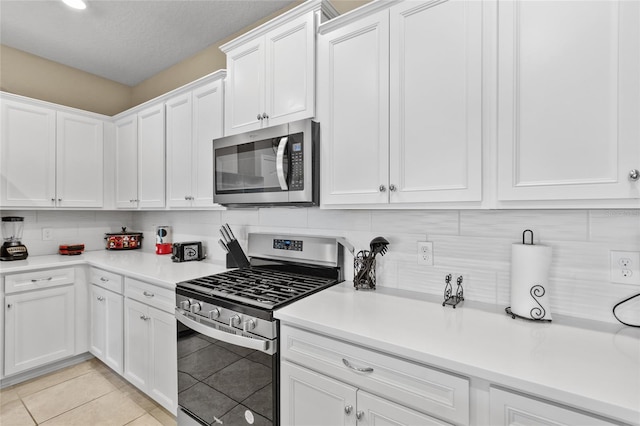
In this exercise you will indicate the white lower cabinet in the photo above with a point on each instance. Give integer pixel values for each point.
(107, 317)
(327, 381)
(315, 399)
(39, 323)
(514, 409)
(150, 355)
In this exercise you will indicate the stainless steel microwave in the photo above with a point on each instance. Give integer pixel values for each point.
(268, 167)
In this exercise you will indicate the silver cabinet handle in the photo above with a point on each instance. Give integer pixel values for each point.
(382, 188)
(100, 298)
(359, 414)
(146, 293)
(361, 370)
(634, 175)
(392, 188)
(42, 279)
(103, 279)
(144, 317)
(348, 409)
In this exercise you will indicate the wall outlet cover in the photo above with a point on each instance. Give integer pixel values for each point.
(625, 267)
(425, 253)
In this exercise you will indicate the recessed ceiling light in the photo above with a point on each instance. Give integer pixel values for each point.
(76, 4)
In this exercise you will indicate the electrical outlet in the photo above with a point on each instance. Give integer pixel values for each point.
(47, 234)
(625, 267)
(425, 253)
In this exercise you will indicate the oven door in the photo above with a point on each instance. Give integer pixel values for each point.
(224, 378)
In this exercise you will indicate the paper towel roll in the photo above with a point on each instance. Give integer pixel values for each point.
(530, 281)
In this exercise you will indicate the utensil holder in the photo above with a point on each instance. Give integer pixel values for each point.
(368, 280)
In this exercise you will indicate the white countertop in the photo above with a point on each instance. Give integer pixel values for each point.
(598, 371)
(156, 269)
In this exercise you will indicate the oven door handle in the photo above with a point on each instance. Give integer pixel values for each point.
(282, 179)
(234, 339)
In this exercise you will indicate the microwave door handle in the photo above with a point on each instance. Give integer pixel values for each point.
(282, 179)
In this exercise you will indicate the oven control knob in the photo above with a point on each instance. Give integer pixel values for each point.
(185, 305)
(196, 307)
(248, 325)
(214, 313)
(235, 320)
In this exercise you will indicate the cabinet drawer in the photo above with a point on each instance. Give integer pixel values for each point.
(508, 408)
(425, 389)
(38, 280)
(106, 279)
(158, 297)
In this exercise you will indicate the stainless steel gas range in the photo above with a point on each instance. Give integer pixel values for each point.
(228, 348)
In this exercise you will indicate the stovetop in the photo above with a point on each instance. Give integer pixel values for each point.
(259, 287)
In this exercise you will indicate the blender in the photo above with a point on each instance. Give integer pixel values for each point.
(12, 249)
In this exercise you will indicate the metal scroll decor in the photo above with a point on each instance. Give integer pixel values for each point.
(449, 297)
(537, 313)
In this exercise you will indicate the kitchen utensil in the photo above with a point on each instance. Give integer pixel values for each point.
(224, 246)
(12, 248)
(123, 240)
(184, 252)
(235, 251)
(363, 277)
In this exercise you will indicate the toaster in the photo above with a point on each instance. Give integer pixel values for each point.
(184, 252)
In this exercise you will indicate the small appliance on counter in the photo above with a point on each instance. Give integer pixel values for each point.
(163, 240)
(70, 249)
(12, 248)
(123, 240)
(184, 252)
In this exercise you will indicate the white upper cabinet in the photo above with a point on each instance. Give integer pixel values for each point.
(126, 164)
(271, 69)
(400, 105)
(79, 159)
(194, 119)
(50, 158)
(569, 100)
(28, 155)
(151, 155)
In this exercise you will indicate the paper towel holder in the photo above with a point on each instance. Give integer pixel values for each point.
(537, 291)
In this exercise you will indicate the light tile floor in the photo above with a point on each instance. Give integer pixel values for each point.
(89, 393)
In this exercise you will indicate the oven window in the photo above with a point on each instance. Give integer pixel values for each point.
(221, 382)
(248, 168)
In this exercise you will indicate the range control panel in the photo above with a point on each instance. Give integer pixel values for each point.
(292, 245)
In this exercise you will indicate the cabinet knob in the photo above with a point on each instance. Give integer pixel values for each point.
(348, 409)
(9, 305)
(53, 200)
(59, 199)
(392, 188)
(264, 116)
(359, 414)
(146, 293)
(382, 188)
(100, 298)
(634, 175)
(144, 317)
(259, 117)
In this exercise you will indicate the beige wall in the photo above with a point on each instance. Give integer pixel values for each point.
(28, 75)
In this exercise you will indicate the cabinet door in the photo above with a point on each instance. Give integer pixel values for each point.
(436, 103)
(28, 157)
(244, 97)
(136, 343)
(208, 113)
(127, 162)
(163, 361)
(179, 151)
(39, 328)
(107, 327)
(375, 411)
(151, 172)
(309, 398)
(290, 65)
(353, 108)
(79, 161)
(510, 409)
(569, 76)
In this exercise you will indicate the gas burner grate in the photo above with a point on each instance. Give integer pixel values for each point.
(259, 287)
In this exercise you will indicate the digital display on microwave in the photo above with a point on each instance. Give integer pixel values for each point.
(296, 147)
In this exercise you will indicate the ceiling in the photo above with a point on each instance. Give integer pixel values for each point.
(125, 41)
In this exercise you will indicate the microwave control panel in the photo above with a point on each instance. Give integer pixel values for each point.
(296, 169)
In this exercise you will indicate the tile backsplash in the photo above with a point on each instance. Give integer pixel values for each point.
(473, 243)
